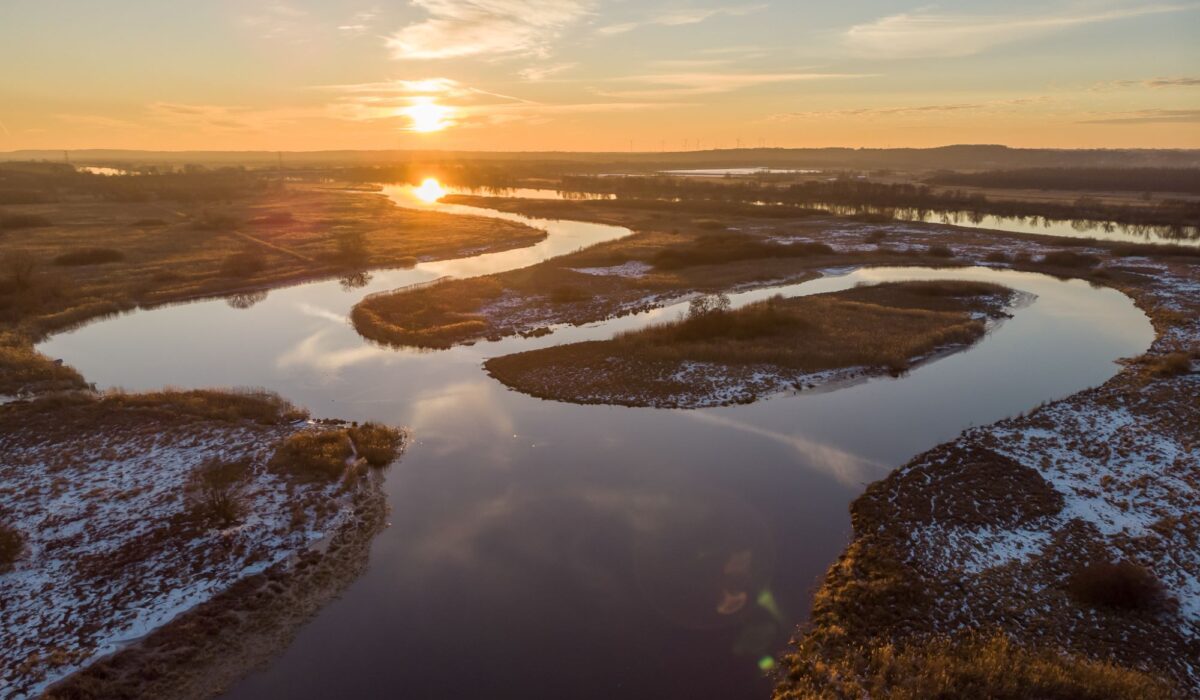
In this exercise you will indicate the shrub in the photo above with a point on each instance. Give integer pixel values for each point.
(215, 490)
(14, 221)
(1123, 586)
(940, 251)
(352, 248)
(11, 544)
(1172, 365)
(1068, 258)
(89, 256)
(378, 444)
(313, 455)
(18, 267)
(244, 264)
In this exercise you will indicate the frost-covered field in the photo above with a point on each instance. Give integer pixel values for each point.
(1115, 477)
(113, 547)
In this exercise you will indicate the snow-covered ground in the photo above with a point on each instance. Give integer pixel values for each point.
(112, 550)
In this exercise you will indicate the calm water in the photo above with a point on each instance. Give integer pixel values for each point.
(540, 549)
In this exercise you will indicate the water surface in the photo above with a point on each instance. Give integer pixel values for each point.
(541, 549)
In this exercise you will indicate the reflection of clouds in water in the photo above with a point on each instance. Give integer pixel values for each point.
(438, 418)
(848, 468)
(308, 354)
(695, 556)
(317, 312)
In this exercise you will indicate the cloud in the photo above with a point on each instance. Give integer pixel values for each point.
(934, 109)
(688, 84)
(360, 22)
(925, 34)
(467, 106)
(678, 18)
(278, 19)
(538, 73)
(1150, 116)
(1155, 83)
(458, 28)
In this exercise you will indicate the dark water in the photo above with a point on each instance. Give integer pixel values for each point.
(539, 549)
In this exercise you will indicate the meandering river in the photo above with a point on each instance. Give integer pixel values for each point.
(541, 549)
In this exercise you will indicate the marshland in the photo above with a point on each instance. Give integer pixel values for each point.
(638, 423)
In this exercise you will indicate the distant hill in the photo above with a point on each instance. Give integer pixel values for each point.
(963, 157)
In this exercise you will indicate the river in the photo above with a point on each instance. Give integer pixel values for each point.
(542, 549)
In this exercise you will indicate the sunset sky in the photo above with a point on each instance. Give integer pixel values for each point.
(596, 74)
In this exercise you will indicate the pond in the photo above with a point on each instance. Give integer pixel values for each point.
(542, 549)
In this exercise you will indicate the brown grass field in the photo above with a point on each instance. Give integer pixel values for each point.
(168, 253)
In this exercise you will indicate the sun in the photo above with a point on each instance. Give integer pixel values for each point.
(428, 116)
(430, 191)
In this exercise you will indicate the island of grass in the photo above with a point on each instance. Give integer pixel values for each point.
(717, 356)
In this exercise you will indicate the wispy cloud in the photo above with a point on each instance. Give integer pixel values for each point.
(689, 84)
(1149, 116)
(360, 22)
(537, 73)
(1155, 83)
(681, 17)
(930, 34)
(458, 28)
(277, 19)
(928, 109)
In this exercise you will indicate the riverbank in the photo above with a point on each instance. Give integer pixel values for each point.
(945, 546)
(717, 357)
(132, 509)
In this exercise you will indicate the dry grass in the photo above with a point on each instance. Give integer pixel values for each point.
(313, 455)
(229, 405)
(89, 256)
(884, 327)
(436, 316)
(24, 369)
(972, 666)
(379, 444)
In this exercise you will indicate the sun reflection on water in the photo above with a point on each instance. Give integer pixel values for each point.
(429, 191)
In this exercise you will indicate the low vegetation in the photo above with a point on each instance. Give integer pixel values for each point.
(314, 454)
(877, 328)
(328, 453)
(972, 666)
(89, 256)
(11, 545)
(1119, 585)
(214, 490)
(378, 444)
(16, 221)
(725, 248)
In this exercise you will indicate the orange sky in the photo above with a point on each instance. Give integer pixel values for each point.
(596, 74)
